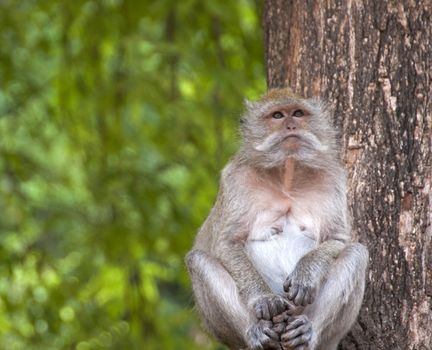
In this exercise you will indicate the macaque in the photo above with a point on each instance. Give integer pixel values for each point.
(274, 265)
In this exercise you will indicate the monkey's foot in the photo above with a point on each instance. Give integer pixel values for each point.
(298, 334)
(269, 306)
(262, 336)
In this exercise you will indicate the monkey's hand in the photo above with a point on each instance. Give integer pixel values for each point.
(311, 270)
(301, 286)
(268, 306)
(261, 336)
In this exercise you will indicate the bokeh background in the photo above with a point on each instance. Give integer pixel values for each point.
(116, 117)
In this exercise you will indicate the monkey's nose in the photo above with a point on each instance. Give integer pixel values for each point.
(290, 126)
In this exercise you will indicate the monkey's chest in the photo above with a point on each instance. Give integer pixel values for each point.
(275, 251)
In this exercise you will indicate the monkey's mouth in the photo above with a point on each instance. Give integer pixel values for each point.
(291, 141)
(291, 136)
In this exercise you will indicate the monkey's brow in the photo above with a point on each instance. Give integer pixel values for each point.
(285, 106)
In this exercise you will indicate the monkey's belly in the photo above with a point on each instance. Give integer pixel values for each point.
(275, 257)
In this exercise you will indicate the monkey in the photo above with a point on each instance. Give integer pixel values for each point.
(274, 265)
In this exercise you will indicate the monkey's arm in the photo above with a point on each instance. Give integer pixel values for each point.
(233, 257)
(255, 293)
(312, 269)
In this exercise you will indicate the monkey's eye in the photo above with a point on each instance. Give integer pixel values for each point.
(277, 115)
(298, 113)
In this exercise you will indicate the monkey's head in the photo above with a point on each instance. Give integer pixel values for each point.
(282, 125)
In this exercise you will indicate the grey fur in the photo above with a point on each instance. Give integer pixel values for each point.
(263, 237)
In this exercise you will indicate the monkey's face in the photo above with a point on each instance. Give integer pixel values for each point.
(273, 131)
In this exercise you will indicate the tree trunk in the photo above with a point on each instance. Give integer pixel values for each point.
(371, 60)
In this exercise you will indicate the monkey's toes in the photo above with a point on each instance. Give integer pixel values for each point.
(282, 317)
(279, 328)
(268, 306)
(262, 336)
(261, 311)
(297, 334)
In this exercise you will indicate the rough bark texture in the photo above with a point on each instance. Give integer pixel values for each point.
(371, 60)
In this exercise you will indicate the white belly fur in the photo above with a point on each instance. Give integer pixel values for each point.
(275, 256)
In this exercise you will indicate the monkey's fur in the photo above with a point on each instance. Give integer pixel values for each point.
(273, 266)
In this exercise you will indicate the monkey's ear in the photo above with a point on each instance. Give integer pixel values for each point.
(250, 105)
(320, 106)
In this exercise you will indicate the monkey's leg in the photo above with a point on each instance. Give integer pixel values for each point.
(217, 299)
(336, 305)
(220, 306)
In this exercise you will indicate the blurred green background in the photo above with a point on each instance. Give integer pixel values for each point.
(116, 117)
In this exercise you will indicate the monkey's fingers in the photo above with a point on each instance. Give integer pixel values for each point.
(262, 310)
(287, 284)
(294, 310)
(300, 297)
(292, 291)
(311, 297)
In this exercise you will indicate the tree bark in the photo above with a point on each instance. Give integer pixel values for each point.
(371, 60)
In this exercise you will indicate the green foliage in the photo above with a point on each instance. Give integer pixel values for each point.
(115, 118)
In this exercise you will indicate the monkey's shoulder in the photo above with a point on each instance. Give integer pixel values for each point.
(237, 173)
(234, 169)
(235, 178)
